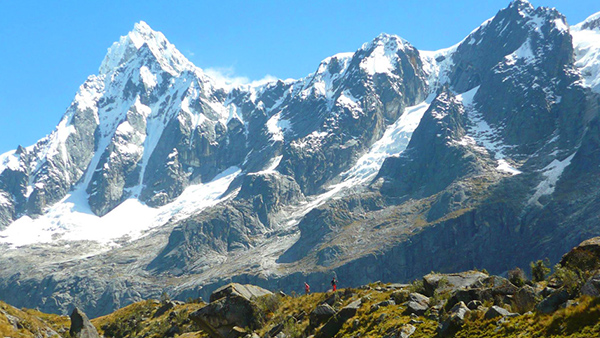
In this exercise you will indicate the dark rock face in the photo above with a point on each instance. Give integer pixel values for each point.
(220, 229)
(118, 164)
(349, 129)
(268, 192)
(435, 156)
(81, 327)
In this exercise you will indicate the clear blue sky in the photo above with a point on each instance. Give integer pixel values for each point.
(48, 48)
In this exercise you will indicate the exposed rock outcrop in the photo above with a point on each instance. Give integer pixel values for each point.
(231, 307)
(81, 327)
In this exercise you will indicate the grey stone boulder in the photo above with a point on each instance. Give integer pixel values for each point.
(400, 296)
(474, 304)
(592, 286)
(406, 331)
(81, 327)
(321, 314)
(450, 282)
(585, 256)
(497, 285)
(553, 302)
(335, 323)
(163, 309)
(246, 291)
(417, 304)
(525, 299)
(496, 311)
(456, 319)
(485, 289)
(231, 306)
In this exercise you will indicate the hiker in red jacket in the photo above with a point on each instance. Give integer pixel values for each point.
(306, 288)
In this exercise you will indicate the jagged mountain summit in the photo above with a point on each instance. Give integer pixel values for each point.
(389, 160)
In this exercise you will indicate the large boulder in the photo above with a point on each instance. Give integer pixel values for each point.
(553, 302)
(321, 314)
(456, 319)
(485, 289)
(335, 323)
(496, 311)
(231, 306)
(246, 291)
(81, 327)
(406, 331)
(592, 286)
(497, 285)
(525, 299)
(417, 304)
(437, 282)
(585, 256)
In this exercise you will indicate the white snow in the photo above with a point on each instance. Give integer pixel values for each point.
(5, 199)
(393, 142)
(552, 173)
(438, 72)
(89, 93)
(561, 25)
(587, 53)
(147, 77)
(9, 160)
(72, 220)
(506, 167)
(311, 141)
(170, 59)
(272, 165)
(381, 60)
(348, 101)
(277, 127)
(321, 83)
(523, 53)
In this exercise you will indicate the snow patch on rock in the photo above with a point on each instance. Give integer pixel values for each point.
(72, 220)
(587, 52)
(552, 173)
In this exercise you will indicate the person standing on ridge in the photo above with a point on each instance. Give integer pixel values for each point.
(334, 284)
(306, 288)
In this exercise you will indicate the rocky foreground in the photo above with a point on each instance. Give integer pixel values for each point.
(564, 303)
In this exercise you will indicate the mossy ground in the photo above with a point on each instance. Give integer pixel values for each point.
(31, 323)
(136, 320)
(580, 321)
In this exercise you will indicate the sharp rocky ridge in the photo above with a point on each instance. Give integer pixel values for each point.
(387, 160)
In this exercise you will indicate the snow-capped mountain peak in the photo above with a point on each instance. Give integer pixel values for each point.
(170, 59)
(521, 6)
(590, 23)
(382, 53)
(586, 41)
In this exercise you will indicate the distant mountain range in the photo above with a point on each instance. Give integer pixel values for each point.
(383, 164)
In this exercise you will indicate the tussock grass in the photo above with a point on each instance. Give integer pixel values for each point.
(31, 323)
(136, 320)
